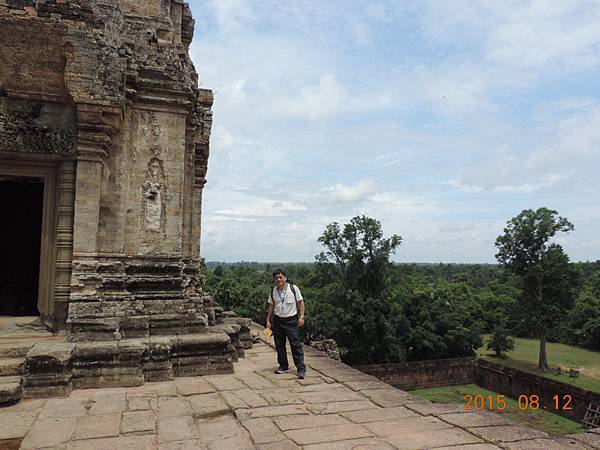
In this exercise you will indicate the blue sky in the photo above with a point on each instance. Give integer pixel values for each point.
(441, 119)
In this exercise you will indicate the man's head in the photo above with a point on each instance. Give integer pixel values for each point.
(280, 278)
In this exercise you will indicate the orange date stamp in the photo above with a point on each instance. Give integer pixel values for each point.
(524, 402)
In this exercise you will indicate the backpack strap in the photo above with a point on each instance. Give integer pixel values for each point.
(293, 292)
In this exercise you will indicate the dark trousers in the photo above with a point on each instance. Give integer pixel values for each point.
(288, 327)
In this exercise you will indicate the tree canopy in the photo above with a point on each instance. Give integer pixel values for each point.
(550, 282)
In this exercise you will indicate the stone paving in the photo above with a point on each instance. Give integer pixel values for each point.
(335, 407)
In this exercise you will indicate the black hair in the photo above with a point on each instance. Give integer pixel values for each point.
(279, 271)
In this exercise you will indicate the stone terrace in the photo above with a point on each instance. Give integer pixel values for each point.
(335, 407)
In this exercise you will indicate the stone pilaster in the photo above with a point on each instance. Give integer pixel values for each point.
(64, 241)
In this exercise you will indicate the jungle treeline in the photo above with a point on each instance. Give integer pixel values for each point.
(423, 311)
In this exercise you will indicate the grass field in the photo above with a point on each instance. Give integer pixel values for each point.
(535, 418)
(525, 357)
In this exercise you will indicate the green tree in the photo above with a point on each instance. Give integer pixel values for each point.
(359, 253)
(357, 261)
(500, 342)
(549, 282)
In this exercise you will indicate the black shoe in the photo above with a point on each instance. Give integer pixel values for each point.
(301, 374)
(281, 370)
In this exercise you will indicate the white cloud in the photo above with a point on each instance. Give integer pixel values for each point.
(343, 193)
(316, 101)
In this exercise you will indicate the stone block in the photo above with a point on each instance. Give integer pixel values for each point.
(138, 422)
(14, 425)
(339, 407)
(208, 405)
(90, 427)
(380, 414)
(432, 439)
(327, 434)
(508, 433)
(173, 407)
(287, 423)
(176, 429)
(49, 432)
(263, 431)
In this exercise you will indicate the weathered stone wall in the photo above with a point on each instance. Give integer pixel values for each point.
(514, 383)
(33, 57)
(424, 374)
(494, 377)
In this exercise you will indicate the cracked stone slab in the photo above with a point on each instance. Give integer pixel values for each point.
(111, 403)
(358, 444)
(546, 444)
(366, 385)
(208, 405)
(327, 434)
(263, 431)
(251, 398)
(49, 432)
(270, 411)
(432, 438)
(471, 447)
(329, 396)
(381, 414)
(298, 422)
(219, 428)
(346, 374)
(475, 419)
(97, 426)
(279, 396)
(388, 397)
(173, 406)
(338, 407)
(427, 408)
(191, 444)
(138, 422)
(405, 425)
(279, 445)
(255, 381)
(65, 407)
(14, 425)
(224, 382)
(591, 439)
(120, 443)
(176, 429)
(193, 385)
(236, 442)
(507, 433)
(319, 387)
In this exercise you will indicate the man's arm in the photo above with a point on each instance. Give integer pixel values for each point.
(270, 310)
(301, 318)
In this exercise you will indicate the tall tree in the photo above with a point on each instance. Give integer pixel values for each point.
(549, 281)
(359, 253)
(357, 261)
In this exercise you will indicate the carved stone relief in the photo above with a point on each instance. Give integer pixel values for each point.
(30, 127)
(152, 130)
(153, 191)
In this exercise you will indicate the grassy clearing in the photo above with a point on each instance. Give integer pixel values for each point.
(525, 357)
(535, 418)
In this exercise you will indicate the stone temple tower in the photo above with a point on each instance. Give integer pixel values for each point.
(104, 142)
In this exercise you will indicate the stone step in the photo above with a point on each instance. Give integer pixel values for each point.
(11, 391)
(14, 349)
(11, 366)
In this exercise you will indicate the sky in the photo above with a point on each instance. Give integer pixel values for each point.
(440, 119)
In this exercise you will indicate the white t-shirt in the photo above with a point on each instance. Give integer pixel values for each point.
(285, 303)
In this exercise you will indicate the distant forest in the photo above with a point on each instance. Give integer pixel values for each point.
(425, 311)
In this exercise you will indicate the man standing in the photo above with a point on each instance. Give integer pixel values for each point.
(284, 302)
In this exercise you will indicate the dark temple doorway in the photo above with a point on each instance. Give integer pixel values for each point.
(20, 238)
